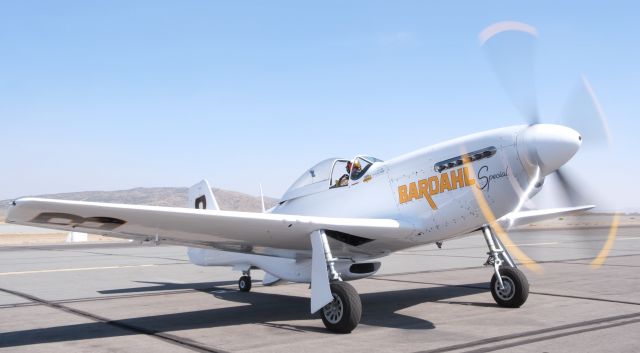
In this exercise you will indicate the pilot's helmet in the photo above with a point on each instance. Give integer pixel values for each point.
(357, 164)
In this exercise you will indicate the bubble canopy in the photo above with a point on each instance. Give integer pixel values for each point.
(318, 177)
(316, 174)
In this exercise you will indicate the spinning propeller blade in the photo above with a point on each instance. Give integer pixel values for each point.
(489, 216)
(571, 193)
(526, 193)
(510, 47)
(584, 113)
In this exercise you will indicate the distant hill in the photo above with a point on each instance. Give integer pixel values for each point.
(175, 197)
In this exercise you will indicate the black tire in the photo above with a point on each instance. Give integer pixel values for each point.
(343, 314)
(516, 289)
(244, 283)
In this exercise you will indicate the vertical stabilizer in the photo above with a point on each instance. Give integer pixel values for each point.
(262, 199)
(201, 196)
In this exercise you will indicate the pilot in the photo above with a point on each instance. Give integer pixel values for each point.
(344, 179)
(356, 170)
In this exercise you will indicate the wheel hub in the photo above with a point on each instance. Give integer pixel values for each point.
(333, 311)
(508, 290)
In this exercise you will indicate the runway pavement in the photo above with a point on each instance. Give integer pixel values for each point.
(129, 298)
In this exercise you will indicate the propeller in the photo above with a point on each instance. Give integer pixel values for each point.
(510, 47)
(526, 193)
(571, 193)
(488, 214)
(584, 112)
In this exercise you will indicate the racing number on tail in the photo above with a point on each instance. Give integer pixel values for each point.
(201, 203)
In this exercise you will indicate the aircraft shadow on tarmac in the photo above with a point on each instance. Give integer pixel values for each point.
(379, 309)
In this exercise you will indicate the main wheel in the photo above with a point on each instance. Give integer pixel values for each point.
(516, 288)
(244, 283)
(343, 314)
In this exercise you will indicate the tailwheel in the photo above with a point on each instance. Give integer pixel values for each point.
(514, 290)
(244, 283)
(343, 314)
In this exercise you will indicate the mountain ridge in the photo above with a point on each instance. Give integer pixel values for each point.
(228, 200)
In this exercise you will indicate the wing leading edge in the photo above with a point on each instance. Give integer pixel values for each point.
(226, 230)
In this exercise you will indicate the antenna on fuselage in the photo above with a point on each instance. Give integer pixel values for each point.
(262, 198)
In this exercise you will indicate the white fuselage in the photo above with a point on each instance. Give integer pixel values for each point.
(501, 177)
(435, 189)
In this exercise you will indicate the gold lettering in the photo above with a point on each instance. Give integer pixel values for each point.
(457, 179)
(413, 192)
(468, 181)
(434, 185)
(444, 182)
(424, 191)
(423, 187)
(402, 191)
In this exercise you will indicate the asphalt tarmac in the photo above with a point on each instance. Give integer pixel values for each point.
(131, 298)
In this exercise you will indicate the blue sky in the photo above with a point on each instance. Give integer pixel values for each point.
(104, 95)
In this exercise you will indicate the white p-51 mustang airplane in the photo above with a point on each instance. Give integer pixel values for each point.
(342, 215)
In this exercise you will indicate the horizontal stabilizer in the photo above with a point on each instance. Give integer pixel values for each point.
(271, 280)
(527, 217)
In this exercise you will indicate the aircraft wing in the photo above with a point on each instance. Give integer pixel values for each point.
(225, 230)
(526, 217)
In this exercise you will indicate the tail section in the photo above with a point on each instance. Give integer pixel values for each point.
(201, 197)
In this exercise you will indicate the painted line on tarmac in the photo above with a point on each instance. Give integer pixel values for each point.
(90, 251)
(534, 244)
(551, 337)
(122, 255)
(228, 288)
(571, 329)
(603, 265)
(166, 337)
(487, 288)
(585, 298)
(74, 269)
(564, 261)
(438, 255)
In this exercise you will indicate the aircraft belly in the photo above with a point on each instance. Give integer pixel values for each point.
(374, 249)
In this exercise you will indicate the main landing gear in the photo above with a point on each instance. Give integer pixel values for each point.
(343, 314)
(244, 283)
(338, 302)
(509, 286)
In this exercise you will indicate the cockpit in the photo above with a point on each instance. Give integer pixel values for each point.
(330, 173)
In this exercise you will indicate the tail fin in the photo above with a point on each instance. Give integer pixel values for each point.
(201, 196)
(262, 199)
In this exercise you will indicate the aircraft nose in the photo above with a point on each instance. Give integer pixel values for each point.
(548, 146)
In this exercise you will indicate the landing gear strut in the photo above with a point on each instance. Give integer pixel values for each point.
(343, 310)
(244, 283)
(509, 286)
